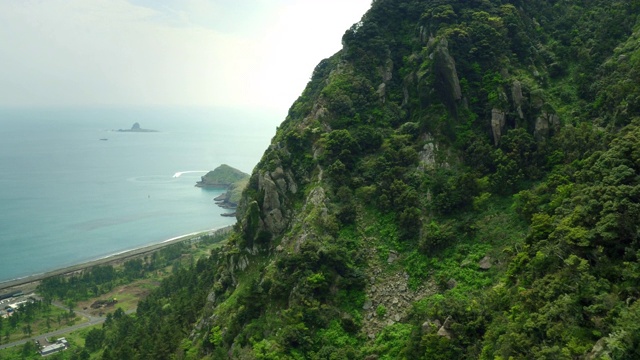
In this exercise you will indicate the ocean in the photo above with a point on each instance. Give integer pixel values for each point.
(73, 190)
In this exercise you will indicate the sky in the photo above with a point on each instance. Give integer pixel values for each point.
(231, 53)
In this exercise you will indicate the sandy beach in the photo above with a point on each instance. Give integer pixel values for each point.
(29, 283)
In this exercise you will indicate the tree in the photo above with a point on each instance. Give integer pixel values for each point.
(28, 349)
(340, 145)
(70, 305)
(94, 339)
(27, 330)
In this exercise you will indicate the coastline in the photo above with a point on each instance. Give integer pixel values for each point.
(29, 283)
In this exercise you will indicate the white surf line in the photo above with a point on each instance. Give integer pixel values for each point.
(183, 236)
(179, 173)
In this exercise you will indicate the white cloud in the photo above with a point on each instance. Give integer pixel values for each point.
(196, 52)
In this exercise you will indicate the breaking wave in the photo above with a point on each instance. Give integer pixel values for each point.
(179, 173)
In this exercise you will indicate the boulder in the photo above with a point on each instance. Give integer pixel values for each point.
(598, 351)
(393, 256)
(445, 329)
(485, 263)
(452, 283)
(431, 326)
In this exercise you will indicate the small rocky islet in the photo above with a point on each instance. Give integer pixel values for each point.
(136, 128)
(229, 178)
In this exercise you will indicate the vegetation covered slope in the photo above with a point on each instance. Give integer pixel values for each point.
(461, 180)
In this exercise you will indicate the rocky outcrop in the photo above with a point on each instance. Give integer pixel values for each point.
(427, 157)
(435, 326)
(274, 188)
(498, 120)
(599, 351)
(431, 326)
(386, 73)
(272, 211)
(445, 329)
(485, 263)
(445, 68)
(136, 128)
(516, 95)
(224, 201)
(545, 123)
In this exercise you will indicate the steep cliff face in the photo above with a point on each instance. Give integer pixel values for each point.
(431, 193)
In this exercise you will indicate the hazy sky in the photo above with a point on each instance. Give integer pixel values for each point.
(257, 53)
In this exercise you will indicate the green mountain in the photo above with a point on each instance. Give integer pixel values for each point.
(461, 180)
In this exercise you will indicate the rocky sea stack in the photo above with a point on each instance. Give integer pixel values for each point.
(136, 128)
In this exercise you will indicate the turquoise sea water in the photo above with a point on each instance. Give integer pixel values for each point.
(66, 196)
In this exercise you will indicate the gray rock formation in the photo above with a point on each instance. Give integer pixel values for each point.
(136, 128)
(485, 263)
(445, 329)
(431, 326)
(544, 124)
(386, 73)
(271, 206)
(598, 351)
(427, 157)
(452, 283)
(516, 95)
(498, 120)
(445, 68)
(393, 256)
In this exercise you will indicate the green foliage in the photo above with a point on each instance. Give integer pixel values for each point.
(391, 342)
(340, 145)
(402, 164)
(215, 336)
(436, 236)
(223, 175)
(452, 191)
(94, 339)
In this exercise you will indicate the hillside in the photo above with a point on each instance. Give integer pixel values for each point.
(461, 180)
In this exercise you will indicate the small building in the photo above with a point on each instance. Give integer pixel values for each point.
(17, 305)
(61, 344)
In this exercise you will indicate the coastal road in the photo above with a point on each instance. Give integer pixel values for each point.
(92, 321)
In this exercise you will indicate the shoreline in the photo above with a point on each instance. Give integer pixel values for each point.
(119, 256)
